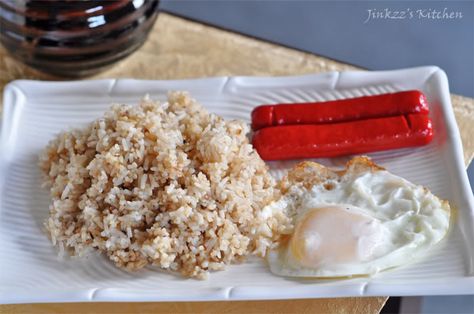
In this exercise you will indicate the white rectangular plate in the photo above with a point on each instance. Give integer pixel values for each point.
(34, 112)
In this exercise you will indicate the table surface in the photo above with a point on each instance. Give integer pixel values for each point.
(413, 40)
(180, 49)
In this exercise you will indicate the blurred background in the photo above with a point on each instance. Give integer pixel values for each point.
(376, 35)
(397, 34)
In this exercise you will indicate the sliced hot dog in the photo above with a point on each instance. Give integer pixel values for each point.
(336, 139)
(352, 109)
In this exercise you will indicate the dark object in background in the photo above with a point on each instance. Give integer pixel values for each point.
(392, 306)
(74, 38)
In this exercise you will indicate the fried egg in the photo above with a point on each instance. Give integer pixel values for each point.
(359, 221)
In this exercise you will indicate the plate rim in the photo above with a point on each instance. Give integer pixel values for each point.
(14, 98)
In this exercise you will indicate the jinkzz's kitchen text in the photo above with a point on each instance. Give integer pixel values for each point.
(412, 14)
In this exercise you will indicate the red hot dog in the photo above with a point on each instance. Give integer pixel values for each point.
(336, 139)
(359, 108)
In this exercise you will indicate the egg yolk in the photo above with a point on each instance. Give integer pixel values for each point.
(330, 235)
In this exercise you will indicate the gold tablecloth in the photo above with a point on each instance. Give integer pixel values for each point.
(180, 49)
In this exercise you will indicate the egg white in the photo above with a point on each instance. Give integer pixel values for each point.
(412, 220)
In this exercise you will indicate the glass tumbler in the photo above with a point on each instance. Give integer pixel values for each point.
(74, 38)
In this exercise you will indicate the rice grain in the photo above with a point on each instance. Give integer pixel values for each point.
(166, 184)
